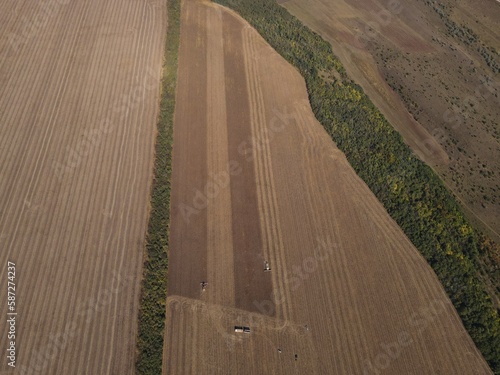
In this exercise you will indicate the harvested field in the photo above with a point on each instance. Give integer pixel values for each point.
(256, 178)
(429, 68)
(79, 89)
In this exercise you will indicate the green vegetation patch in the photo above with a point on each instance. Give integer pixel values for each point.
(410, 191)
(154, 284)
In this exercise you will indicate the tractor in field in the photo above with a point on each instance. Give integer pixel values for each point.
(203, 285)
(267, 268)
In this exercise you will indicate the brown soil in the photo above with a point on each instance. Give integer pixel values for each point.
(79, 98)
(347, 291)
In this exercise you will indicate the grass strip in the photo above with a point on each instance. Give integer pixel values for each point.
(154, 284)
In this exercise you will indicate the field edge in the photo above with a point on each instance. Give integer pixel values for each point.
(154, 284)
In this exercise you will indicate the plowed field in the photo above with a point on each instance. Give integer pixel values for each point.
(257, 181)
(79, 91)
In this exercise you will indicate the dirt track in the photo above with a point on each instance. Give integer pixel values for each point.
(256, 178)
(79, 85)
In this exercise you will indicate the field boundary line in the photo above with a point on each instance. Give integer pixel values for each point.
(151, 325)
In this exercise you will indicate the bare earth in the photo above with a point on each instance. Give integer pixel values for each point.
(79, 84)
(435, 89)
(255, 179)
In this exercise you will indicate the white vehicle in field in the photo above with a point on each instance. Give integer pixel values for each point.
(241, 329)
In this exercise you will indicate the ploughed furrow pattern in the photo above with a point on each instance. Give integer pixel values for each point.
(266, 193)
(78, 108)
(261, 183)
(219, 350)
(378, 288)
(247, 238)
(219, 214)
(188, 253)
